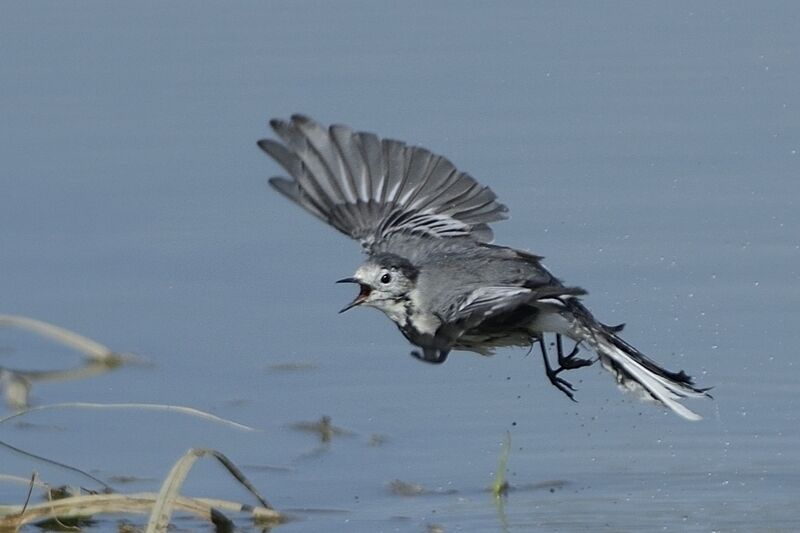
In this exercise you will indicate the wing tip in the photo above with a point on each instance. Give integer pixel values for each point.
(304, 121)
(295, 118)
(283, 185)
(264, 144)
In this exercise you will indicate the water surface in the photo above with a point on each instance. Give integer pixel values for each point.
(649, 151)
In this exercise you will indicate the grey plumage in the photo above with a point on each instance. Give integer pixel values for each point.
(369, 188)
(424, 226)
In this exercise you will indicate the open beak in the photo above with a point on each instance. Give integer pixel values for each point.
(362, 295)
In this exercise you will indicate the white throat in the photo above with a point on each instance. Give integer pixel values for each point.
(394, 309)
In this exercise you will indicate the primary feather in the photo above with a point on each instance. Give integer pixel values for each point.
(370, 188)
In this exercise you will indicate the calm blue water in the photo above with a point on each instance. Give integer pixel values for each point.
(649, 150)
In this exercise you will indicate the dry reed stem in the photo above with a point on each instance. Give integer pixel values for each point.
(160, 506)
(191, 411)
(140, 503)
(168, 495)
(8, 478)
(91, 349)
(85, 405)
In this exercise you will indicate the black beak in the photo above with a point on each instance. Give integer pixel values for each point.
(362, 295)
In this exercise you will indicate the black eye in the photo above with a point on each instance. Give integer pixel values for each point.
(386, 278)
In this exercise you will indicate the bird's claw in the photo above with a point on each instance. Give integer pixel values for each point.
(565, 362)
(562, 384)
(569, 361)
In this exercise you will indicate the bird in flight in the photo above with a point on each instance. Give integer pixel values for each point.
(431, 266)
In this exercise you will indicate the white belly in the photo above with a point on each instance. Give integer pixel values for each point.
(551, 319)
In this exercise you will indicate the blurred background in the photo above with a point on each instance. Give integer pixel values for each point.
(649, 150)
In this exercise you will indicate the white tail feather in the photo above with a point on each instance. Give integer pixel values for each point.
(641, 380)
(634, 372)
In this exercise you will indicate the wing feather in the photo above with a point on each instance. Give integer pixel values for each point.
(324, 148)
(370, 188)
(313, 151)
(292, 191)
(373, 158)
(294, 166)
(484, 302)
(352, 159)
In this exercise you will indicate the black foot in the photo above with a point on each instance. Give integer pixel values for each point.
(565, 362)
(569, 361)
(432, 356)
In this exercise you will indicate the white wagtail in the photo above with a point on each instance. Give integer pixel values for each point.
(430, 266)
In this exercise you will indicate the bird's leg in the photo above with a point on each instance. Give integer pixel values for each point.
(560, 383)
(569, 361)
(431, 355)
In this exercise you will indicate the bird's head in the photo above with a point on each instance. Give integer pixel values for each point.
(385, 280)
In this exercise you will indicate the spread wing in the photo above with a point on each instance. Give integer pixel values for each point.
(370, 188)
